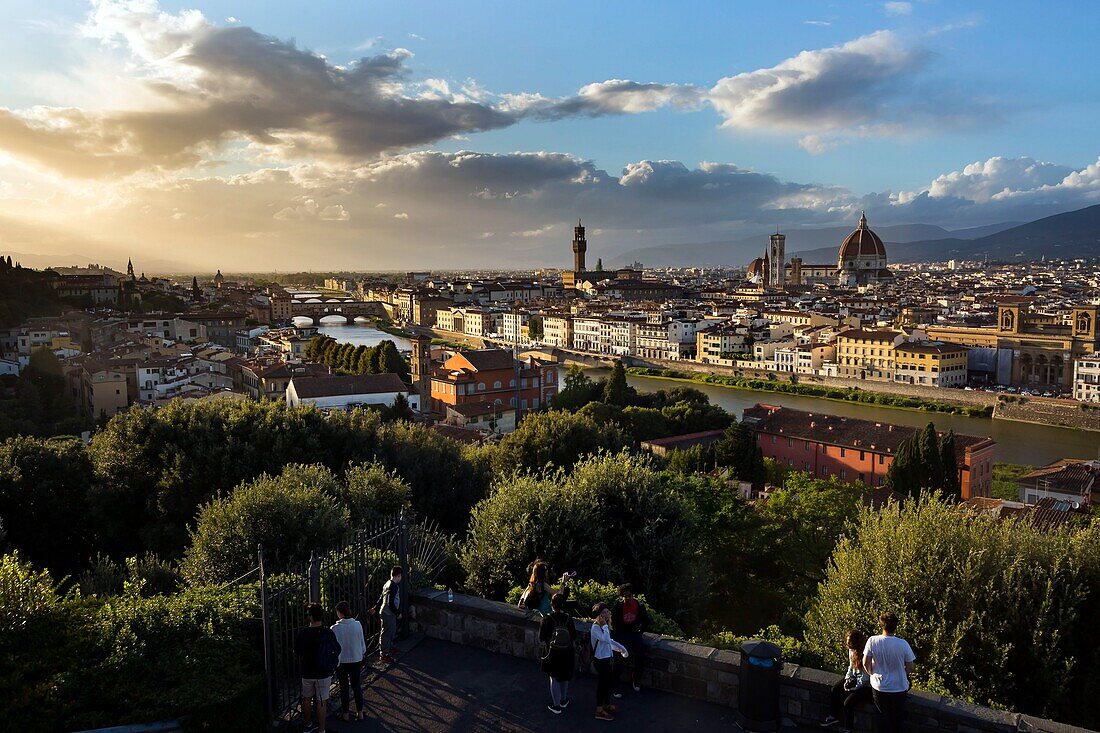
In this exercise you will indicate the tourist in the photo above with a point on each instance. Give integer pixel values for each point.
(603, 648)
(854, 688)
(889, 660)
(389, 610)
(353, 648)
(558, 634)
(536, 597)
(629, 620)
(318, 654)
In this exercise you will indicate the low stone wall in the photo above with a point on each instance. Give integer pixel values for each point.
(703, 672)
(1044, 411)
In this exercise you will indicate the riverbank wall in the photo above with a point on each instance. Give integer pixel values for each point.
(1061, 413)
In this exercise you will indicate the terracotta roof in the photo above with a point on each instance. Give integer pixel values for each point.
(335, 386)
(862, 243)
(705, 437)
(847, 432)
(489, 359)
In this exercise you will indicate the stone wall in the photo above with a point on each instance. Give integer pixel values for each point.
(1044, 411)
(703, 672)
(937, 394)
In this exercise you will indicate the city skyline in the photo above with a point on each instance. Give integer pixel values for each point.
(228, 134)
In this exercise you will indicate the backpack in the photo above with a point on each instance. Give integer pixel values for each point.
(531, 599)
(328, 653)
(560, 637)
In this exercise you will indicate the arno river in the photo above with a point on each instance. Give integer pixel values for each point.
(1016, 442)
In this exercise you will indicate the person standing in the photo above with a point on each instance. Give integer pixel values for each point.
(537, 595)
(854, 688)
(558, 634)
(389, 610)
(603, 648)
(353, 648)
(318, 654)
(629, 621)
(889, 660)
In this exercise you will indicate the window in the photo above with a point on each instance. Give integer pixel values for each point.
(481, 386)
(806, 445)
(824, 470)
(497, 385)
(881, 460)
(843, 475)
(775, 439)
(861, 456)
(790, 442)
(841, 452)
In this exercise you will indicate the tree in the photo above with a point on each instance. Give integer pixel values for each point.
(534, 328)
(372, 492)
(617, 391)
(739, 452)
(578, 391)
(613, 519)
(44, 501)
(390, 360)
(904, 473)
(290, 514)
(929, 449)
(999, 613)
(951, 486)
(555, 439)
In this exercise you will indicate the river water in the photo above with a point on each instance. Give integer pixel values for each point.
(1017, 442)
(360, 333)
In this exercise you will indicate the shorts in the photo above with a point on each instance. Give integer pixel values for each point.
(316, 688)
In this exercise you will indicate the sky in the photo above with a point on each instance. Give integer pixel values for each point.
(260, 135)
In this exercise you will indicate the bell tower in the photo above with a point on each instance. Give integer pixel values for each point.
(421, 370)
(580, 246)
(777, 261)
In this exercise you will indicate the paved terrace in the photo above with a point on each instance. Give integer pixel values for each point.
(441, 686)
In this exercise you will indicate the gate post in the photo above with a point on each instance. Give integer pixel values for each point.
(406, 571)
(266, 621)
(314, 577)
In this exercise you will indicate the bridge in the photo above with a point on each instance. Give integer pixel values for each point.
(317, 308)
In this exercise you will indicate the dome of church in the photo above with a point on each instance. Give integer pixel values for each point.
(758, 268)
(861, 243)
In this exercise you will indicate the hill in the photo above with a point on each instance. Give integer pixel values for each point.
(822, 243)
(1073, 234)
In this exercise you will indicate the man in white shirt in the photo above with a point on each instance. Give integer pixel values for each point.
(889, 660)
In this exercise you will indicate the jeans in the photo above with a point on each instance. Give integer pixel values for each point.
(348, 674)
(635, 644)
(844, 703)
(605, 680)
(558, 691)
(891, 710)
(389, 630)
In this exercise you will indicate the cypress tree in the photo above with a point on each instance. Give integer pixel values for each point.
(952, 487)
(616, 391)
(930, 466)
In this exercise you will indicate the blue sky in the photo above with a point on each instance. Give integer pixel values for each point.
(891, 102)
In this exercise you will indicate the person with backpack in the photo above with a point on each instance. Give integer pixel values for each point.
(558, 634)
(353, 648)
(603, 649)
(536, 597)
(854, 688)
(318, 653)
(389, 609)
(629, 621)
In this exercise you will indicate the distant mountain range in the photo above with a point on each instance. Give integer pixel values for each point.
(1073, 234)
(813, 245)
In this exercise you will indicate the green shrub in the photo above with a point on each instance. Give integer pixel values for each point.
(587, 593)
(795, 650)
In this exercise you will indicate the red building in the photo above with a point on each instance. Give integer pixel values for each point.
(856, 450)
(488, 376)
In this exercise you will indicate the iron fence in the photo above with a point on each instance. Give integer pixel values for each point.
(354, 572)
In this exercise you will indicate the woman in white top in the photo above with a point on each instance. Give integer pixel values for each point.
(603, 646)
(353, 648)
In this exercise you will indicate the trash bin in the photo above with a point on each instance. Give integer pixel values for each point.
(758, 694)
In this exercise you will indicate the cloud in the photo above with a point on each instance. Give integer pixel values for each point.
(401, 215)
(898, 8)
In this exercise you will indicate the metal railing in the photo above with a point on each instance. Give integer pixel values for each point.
(354, 572)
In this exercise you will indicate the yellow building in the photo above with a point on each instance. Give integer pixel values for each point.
(1029, 349)
(931, 363)
(866, 354)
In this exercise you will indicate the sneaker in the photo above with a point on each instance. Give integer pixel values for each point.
(602, 714)
(829, 722)
(637, 688)
(564, 703)
(554, 709)
(616, 695)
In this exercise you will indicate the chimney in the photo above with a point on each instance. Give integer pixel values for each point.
(889, 428)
